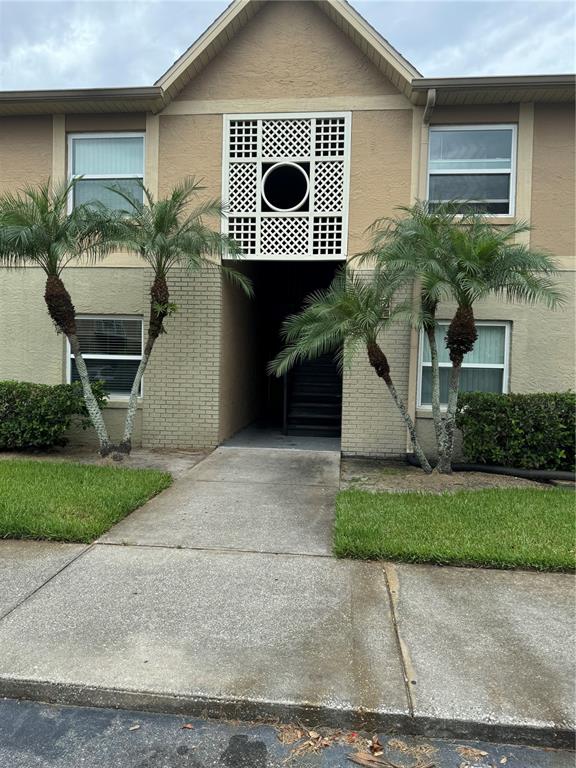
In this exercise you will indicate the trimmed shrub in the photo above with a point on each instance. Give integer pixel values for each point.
(38, 415)
(533, 431)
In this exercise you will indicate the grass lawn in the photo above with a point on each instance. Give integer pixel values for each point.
(70, 502)
(500, 528)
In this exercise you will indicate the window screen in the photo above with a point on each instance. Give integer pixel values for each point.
(474, 166)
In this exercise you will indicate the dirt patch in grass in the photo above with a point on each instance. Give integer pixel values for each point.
(383, 475)
(176, 462)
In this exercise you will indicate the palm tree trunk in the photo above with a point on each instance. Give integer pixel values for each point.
(62, 312)
(445, 461)
(437, 416)
(460, 340)
(379, 362)
(125, 445)
(159, 298)
(92, 406)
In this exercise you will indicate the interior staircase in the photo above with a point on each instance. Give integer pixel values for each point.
(314, 398)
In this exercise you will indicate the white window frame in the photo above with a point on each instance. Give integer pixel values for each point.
(114, 397)
(112, 176)
(228, 118)
(497, 171)
(504, 366)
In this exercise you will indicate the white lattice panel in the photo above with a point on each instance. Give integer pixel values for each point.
(327, 236)
(243, 232)
(284, 236)
(285, 139)
(319, 145)
(330, 137)
(243, 139)
(243, 187)
(329, 187)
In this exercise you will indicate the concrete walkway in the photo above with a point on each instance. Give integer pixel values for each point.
(220, 597)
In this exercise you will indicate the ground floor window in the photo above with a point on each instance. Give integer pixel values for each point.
(485, 369)
(112, 349)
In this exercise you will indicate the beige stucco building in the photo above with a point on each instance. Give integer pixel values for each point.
(310, 126)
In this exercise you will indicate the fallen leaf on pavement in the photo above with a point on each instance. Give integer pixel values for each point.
(375, 746)
(315, 742)
(470, 753)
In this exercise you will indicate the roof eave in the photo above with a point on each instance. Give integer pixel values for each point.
(133, 99)
(484, 90)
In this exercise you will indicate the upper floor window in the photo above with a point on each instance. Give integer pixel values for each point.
(106, 160)
(485, 369)
(475, 165)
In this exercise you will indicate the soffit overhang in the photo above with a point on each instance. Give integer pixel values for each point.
(82, 100)
(449, 91)
(462, 91)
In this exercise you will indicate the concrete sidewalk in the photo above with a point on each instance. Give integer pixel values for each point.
(220, 597)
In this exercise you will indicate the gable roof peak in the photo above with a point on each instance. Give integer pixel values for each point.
(386, 58)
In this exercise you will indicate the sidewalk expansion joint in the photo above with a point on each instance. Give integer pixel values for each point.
(407, 672)
(44, 583)
(212, 550)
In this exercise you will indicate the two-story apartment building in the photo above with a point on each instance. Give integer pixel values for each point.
(309, 125)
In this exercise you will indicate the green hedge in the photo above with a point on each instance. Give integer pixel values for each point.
(38, 415)
(523, 431)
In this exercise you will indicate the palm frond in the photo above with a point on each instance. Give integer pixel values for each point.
(36, 228)
(354, 309)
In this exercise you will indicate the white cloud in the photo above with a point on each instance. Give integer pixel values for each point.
(67, 56)
(56, 44)
(510, 44)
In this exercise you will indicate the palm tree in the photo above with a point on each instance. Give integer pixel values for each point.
(165, 233)
(461, 258)
(351, 313)
(37, 230)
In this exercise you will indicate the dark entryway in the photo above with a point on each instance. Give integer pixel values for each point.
(308, 401)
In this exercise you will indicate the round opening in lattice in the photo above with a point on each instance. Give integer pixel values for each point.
(285, 186)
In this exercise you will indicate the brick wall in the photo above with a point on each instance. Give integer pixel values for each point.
(371, 422)
(181, 385)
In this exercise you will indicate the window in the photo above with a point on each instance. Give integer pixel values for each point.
(104, 160)
(485, 369)
(475, 165)
(112, 349)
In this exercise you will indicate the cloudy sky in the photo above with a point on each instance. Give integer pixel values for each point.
(98, 43)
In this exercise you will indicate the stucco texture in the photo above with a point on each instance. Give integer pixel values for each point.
(553, 187)
(380, 168)
(31, 350)
(190, 145)
(265, 61)
(25, 151)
